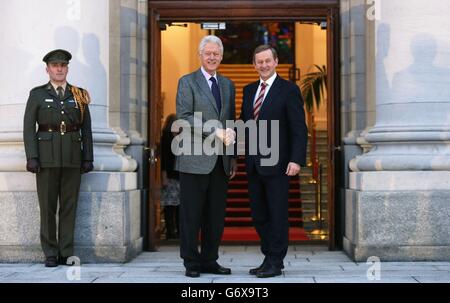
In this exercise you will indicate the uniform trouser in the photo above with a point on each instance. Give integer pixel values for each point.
(202, 207)
(270, 212)
(54, 184)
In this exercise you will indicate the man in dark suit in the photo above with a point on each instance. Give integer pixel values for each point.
(58, 153)
(204, 176)
(273, 99)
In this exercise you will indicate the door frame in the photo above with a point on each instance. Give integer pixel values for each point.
(196, 11)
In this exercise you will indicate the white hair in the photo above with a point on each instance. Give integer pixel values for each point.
(210, 39)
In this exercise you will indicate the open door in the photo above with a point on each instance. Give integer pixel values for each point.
(335, 171)
(154, 132)
(249, 11)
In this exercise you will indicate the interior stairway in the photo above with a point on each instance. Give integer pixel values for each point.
(238, 221)
(308, 189)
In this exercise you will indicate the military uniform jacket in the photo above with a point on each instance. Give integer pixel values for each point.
(52, 148)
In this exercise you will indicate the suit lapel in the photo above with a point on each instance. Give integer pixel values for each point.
(252, 94)
(67, 92)
(201, 82)
(52, 91)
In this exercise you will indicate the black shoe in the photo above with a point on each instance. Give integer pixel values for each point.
(51, 261)
(192, 273)
(255, 270)
(216, 269)
(269, 272)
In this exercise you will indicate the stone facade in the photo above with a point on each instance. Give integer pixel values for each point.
(395, 105)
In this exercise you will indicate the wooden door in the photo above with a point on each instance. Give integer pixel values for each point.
(154, 130)
(333, 127)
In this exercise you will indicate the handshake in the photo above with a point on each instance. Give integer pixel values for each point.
(227, 136)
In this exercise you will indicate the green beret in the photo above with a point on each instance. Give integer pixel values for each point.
(58, 55)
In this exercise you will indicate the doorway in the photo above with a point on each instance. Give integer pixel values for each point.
(319, 17)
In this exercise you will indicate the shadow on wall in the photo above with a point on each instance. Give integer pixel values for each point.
(90, 74)
(412, 84)
(95, 73)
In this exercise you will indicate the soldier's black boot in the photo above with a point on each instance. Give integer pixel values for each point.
(51, 261)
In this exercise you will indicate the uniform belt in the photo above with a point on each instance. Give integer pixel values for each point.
(62, 128)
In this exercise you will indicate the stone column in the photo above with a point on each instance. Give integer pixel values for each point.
(357, 100)
(398, 205)
(108, 218)
(129, 103)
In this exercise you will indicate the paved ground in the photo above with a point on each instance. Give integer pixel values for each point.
(303, 265)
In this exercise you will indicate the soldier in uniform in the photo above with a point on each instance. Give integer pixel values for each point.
(58, 145)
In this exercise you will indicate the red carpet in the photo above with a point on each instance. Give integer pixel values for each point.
(238, 221)
(248, 234)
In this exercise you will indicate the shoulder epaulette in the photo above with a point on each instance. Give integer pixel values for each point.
(82, 98)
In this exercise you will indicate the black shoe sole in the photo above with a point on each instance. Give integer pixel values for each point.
(262, 276)
(254, 271)
(192, 275)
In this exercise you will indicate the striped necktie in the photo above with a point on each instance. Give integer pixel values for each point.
(259, 101)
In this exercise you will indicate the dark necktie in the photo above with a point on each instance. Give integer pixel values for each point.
(216, 93)
(60, 92)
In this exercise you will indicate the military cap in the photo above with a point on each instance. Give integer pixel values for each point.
(57, 55)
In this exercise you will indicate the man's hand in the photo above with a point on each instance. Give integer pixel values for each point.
(233, 168)
(227, 136)
(220, 133)
(230, 136)
(87, 166)
(33, 165)
(292, 169)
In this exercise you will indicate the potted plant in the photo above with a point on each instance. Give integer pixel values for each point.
(313, 86)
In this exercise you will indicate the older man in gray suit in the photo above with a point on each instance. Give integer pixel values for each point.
(204, 176)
